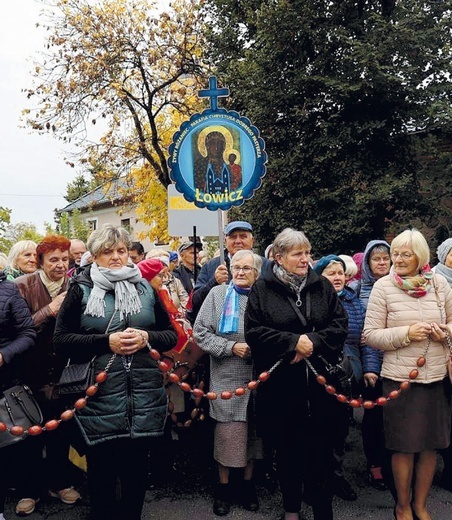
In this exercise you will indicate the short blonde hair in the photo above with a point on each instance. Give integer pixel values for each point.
(157, 252)
(17, 249)
(416, 241)
(3, 261)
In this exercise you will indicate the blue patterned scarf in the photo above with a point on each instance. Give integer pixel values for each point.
(229, 320)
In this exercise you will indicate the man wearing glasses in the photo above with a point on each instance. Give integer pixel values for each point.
(238, 236)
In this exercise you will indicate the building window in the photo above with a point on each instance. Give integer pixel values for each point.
(92, 223)
(125, 223)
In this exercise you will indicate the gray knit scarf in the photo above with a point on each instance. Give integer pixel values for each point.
(123, 282)
(445, 271)
(295, 282)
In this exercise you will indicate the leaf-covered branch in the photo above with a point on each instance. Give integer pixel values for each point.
(110, 71)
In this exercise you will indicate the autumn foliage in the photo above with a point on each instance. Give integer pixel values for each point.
(116, 79)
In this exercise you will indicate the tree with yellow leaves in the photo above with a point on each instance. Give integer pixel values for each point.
(125, 71)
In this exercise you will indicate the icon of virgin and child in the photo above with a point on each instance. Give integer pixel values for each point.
(217, 160)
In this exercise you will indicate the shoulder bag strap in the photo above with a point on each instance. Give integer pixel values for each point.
(106, 332)
(304, 322)
(439, 302)
(302, 318)
(298, 312)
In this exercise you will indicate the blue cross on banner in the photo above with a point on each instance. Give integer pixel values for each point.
(217, 158)
(214, 93)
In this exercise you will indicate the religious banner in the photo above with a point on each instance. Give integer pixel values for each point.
(217, 158)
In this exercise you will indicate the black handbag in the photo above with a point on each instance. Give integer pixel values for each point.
(18, 407)
(76, 378)
(339, 375)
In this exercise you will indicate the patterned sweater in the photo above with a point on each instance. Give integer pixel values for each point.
(227, 371)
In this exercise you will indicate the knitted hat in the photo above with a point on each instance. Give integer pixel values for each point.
(150, 268)
(323, 263)
(443, 250)
(173, 257)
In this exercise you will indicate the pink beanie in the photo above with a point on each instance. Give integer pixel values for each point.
(150, 268)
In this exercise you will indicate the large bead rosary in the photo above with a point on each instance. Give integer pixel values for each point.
(198, 393)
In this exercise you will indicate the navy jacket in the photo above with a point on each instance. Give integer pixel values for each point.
(371, 358)
(17, 332)
(356, 315)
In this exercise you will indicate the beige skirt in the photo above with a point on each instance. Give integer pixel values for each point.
(235, 444)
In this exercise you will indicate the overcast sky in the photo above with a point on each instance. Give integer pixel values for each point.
(33, 173)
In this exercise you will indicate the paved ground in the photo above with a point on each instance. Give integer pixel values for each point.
(189, 495)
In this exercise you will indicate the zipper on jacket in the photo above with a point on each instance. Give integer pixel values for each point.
(129, 398)
(127, 362)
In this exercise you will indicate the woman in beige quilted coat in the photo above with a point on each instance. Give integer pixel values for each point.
(408, 316)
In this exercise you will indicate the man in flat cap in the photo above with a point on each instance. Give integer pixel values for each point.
(188, 263)
(238, 236)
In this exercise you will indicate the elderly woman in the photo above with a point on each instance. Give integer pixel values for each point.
(17, 335)
(153, 270)
(334, 268)
(112, 314)
(219, 332)
(292, 316)
(375, 263)
(21, 259)
(174, 286)
(408, 316)
(44, 292)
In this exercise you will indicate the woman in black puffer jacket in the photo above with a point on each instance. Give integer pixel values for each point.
(17, 335)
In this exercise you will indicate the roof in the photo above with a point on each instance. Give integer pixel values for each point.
(108, 194)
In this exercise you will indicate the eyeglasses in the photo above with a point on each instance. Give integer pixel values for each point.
(378, 259)
(246, 269)
(403, 256)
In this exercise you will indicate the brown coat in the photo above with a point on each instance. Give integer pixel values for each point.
(43, 366)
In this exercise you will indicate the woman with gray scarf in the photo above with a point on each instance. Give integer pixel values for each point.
(294, 317)
(112, 314)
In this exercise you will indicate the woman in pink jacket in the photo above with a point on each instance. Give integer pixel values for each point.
(408, 317)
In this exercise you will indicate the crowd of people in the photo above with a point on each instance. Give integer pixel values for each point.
(370, 330)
